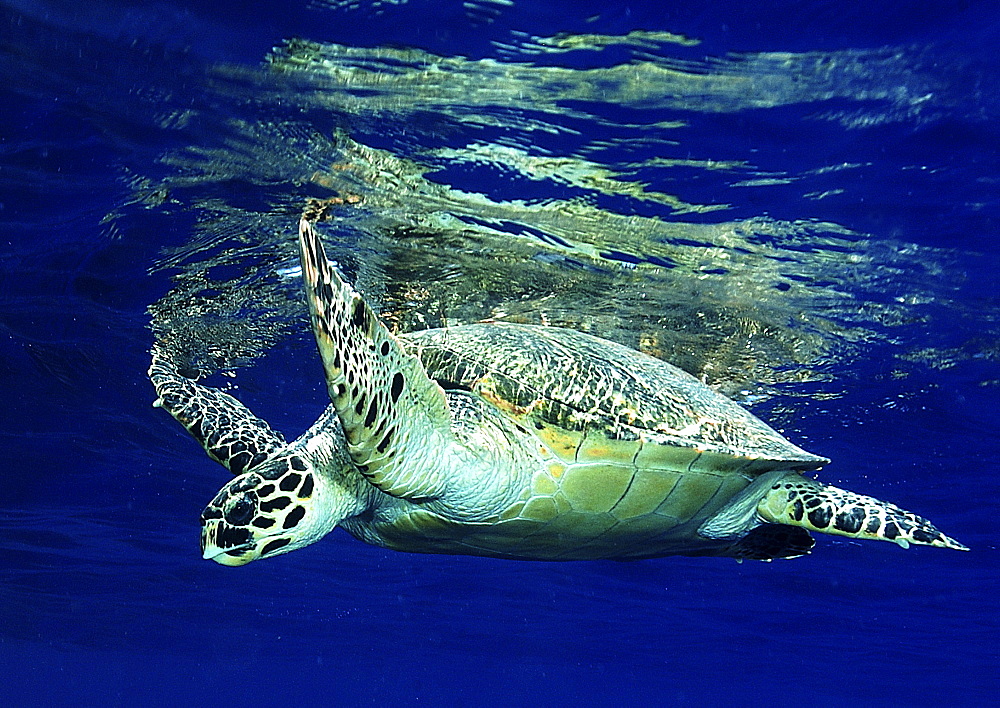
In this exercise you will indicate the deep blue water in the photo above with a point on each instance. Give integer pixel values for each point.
(819, 185)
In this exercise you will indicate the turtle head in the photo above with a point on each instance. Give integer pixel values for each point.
(280, 506)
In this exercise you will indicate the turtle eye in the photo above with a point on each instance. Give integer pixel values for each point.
(240, 512)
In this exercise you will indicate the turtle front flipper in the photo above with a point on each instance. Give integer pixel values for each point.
(229, 432)
(396, 419)
(798, 501)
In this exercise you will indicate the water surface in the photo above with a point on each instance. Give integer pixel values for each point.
(797, 203)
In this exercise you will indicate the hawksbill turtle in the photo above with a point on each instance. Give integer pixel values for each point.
(511, 441)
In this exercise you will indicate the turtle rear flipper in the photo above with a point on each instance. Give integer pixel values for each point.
(798, 501)
(770, 541)
(229, 432)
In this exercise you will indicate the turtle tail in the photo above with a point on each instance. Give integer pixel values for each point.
(798, 501)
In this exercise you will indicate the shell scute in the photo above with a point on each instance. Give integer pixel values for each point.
(512, 512)
(564, 443)
(596, 488)
(689, 495)
(597, 447)
(539, 509)
(654, 453)
(575, 526)
(649, 489)
(543, 485)
(637, 530)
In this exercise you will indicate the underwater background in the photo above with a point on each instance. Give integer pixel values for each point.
(798, 202)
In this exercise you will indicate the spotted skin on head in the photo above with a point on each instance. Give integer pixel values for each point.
(229, 432)
(799, 501)
(275, 503)
(392, 413)
(258, 513)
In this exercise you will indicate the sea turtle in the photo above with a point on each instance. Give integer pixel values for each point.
(512, 441)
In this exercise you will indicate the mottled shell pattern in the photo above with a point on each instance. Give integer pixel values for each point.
(587, 396)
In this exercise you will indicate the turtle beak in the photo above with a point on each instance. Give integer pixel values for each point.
(225, 544)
